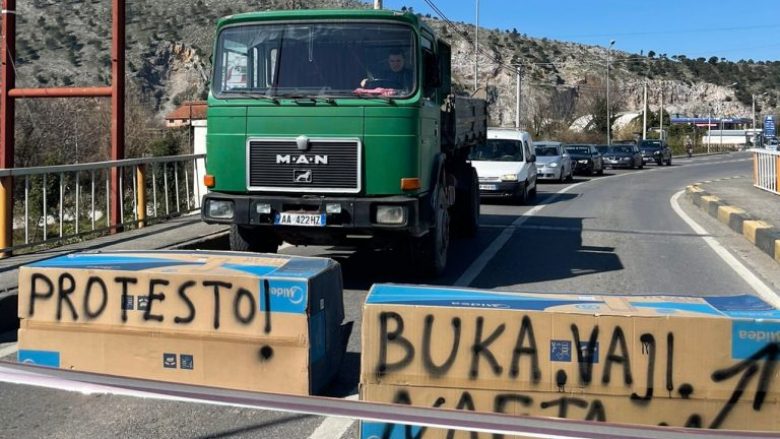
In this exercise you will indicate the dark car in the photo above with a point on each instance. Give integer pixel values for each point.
(656, 151)
(621, 156)
(586, 159)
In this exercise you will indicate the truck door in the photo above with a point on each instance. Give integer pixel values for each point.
(430, 129)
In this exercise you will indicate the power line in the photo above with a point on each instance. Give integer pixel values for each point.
(511, 69)
(465, 36)
(689, 31)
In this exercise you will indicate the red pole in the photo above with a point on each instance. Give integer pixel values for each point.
(117, 103)
(7, 115)
(61, 92)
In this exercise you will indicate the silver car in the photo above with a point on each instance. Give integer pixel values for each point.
(552, 161)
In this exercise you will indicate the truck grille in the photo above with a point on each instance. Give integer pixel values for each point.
(326, 166)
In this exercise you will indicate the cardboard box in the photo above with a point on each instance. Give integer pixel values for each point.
(226, 319)
(606, 408)
(680, 355)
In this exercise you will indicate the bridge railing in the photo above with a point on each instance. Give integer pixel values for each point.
(54, 205)
(765, 170)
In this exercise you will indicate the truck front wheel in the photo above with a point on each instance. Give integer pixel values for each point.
(429, 252)
(250, 239)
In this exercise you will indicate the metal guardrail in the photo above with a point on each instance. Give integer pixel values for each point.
(83, 197)
(464, 420)
(766, 165)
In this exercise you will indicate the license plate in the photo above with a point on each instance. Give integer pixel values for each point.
(300, 219)
(487, 187)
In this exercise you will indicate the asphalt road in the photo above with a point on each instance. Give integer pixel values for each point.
(615, 234)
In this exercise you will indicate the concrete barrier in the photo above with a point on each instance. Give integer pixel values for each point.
(677, 361)
(234, 320)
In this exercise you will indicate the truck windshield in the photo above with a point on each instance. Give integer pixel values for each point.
(498, 150)
(315, 59)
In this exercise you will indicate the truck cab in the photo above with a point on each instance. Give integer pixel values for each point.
(319, 141)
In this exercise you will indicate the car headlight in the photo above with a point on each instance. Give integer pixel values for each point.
(222, 209)
(656, 152)
(584, 162)
(553, 165)
(509, 177)
(391, 215)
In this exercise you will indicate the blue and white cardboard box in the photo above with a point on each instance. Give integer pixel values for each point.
(224, 319)
(682, 361)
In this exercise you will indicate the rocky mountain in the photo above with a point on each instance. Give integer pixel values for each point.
(67, 42)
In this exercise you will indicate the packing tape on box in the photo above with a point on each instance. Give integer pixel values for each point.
(90, 383)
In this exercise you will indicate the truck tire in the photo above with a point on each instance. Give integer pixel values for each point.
(429, 252)
(467, 205)
(249, 239)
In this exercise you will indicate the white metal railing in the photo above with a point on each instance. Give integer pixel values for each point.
(82, 196)
(765, 170)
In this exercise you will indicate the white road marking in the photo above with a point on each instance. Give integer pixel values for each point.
(9, 350)
(757, 284)
(479, 264)
(332, 427)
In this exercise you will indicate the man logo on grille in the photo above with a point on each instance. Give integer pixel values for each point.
(303, 159)
(302, 176)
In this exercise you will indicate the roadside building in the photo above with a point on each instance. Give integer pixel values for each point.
(192, 115)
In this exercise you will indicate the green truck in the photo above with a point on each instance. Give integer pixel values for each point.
(327, 126)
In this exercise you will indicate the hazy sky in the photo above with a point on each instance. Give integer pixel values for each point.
(722, 28)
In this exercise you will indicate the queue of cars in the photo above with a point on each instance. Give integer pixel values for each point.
(510, 164)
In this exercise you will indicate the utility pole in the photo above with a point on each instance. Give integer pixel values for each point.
(661, 132)
(709, 129)
(609, 122)
(753, 99)
(476, 51)
(517, 110)
(644, 115)
(377, 4)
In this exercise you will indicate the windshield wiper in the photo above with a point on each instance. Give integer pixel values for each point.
(257, 96)
(312, 99)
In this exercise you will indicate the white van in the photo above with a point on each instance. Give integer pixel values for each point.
(505, 165)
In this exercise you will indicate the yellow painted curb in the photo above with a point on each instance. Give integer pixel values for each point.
(777, 250)
(725, 212)
(749, 229)
(710, 198)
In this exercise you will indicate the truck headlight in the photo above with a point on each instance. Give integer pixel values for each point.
(509, 177)
(390, 215)
(222, 209)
